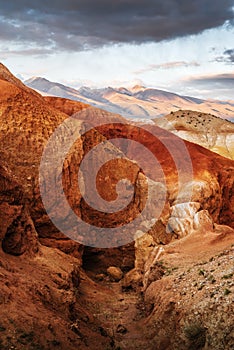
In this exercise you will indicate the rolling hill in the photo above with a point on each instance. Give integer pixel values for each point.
(203, 129)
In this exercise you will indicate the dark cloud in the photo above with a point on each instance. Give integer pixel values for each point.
(218, 81)
(228, 57)
(80, 24)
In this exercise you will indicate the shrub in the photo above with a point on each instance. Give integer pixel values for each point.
(227, 291)
(196, 335)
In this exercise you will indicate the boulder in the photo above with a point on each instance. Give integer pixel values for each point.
(132, 279)
(185, 209)
(182, 216)
(115, 273)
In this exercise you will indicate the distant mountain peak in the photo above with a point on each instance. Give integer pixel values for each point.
(137, 88)
(44, 85)
(36, 79)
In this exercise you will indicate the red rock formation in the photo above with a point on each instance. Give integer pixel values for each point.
(48, 301)
(212, 173)
(27, 122)
(17, 231)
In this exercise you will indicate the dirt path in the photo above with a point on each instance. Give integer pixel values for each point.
(119, 313)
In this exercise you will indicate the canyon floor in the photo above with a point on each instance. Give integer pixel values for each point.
(48, 306)
(191, 285)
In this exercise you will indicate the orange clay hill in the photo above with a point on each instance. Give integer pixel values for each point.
(171, 288)
(204, 129)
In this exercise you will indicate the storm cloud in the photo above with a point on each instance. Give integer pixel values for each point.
(230, 55)
(75, 25)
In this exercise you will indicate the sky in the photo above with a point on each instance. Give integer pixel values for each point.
(176, 45)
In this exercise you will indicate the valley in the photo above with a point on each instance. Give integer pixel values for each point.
(171, 285)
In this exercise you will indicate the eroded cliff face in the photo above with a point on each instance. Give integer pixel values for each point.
(17, 231)
(212, 174)
(202, 200)
(27, 124)
(39, 286)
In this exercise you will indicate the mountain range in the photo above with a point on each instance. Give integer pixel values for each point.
(138, 102)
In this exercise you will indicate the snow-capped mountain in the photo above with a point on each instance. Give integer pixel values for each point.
(136, 102)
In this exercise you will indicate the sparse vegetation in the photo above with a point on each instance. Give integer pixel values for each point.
(201, 272)
(196, 335)
(201, 286)
(226, 277)
(227, 291)
(169, 271)
(212, 279)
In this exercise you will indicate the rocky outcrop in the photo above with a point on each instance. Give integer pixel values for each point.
(184, 217)
(17, 231)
